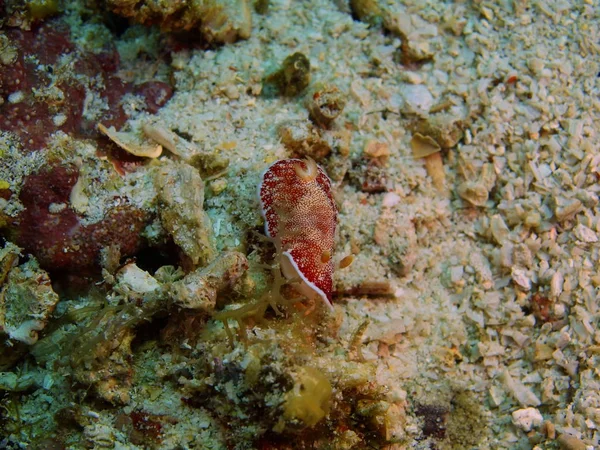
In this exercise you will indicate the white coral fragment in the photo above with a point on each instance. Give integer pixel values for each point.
(524, 395)
(527, 418)
(585, 234)
(136, 279)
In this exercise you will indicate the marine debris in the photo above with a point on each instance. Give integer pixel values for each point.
(292, 77)
(221, 21)
(325, 102)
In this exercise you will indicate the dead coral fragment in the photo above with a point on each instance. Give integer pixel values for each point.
(476, 190)
(199, 289)
(293, 76)
(324, 104)
(435, 169)
(303, 139)
(222, 21)
(417, 35)
(26, 300)
(101, 353)
(181, 200)
(209, 162)
(368, 11)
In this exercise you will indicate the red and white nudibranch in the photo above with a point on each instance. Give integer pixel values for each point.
(301, 215)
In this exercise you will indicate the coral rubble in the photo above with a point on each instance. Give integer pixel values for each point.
(142, 305)
(26, 304)
(222, 21)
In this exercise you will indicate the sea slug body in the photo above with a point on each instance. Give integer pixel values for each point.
(301, 216)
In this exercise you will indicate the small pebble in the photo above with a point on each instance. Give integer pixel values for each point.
(417, 98)
(527, 418)
(568, 442)
(16, 97)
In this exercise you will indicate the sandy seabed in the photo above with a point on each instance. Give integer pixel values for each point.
(472, 300)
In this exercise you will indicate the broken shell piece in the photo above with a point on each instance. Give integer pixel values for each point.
(445, 129)
(435, 169)
(209, 161)
(566, 208)
(527, 418)
(477, 191)
(216, 20)
(129, 143)
(377, 150)
(324, 103)
(570, 442)
(521, 278)
(423, 146)
(302, 139)
(474, 193)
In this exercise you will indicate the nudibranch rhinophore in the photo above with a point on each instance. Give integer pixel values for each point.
(301, 215)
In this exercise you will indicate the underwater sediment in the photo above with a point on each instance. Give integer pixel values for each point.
(330, 224)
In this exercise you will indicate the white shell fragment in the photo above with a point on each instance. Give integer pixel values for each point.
(130, 143)
(136, 279)
(527, 418)
(417, 98)
(585, 234)
(520, 278)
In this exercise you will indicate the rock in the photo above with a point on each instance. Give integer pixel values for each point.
(26, 303)
(222, 21)
(181, 198)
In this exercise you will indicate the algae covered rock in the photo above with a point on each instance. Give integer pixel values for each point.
(307, 403)
(26, 303)
(292, 77)
(181, 197)
(221, 21)
(101, 354)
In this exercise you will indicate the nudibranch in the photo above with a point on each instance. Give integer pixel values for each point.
(301, 216)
